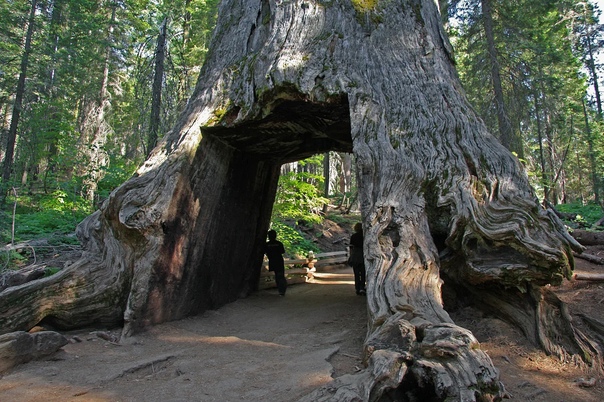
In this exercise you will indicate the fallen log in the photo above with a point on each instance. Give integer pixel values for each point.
(588, 277)
(588, 238)
(16, 278)
(590, 257)
(600, 223)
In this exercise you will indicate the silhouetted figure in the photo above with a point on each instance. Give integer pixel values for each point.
(356, 259)
(274, 251)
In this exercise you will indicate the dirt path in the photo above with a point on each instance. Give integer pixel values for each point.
(278, 349)
(262, 348)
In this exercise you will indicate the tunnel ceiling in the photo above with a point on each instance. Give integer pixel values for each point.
(293, 130)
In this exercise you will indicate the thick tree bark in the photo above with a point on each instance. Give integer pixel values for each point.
(286, 80)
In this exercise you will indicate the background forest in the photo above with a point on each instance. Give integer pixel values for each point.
(88, 87)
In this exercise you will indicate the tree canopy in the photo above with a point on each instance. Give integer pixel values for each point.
(544, 54)
(94, 99)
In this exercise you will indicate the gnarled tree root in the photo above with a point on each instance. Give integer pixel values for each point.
(543, 318)
(416, 360)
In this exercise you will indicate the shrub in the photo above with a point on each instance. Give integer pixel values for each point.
(295, 244)
(586, 214)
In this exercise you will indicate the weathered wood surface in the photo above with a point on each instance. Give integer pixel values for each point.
(588, 277)
(11, 278)
(439, 195)
(588, 238)
(589, 257)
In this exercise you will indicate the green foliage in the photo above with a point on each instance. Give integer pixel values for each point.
(49, 271)
(41, 224)
(89, 82)
(295, 244)
(54, 214)
(299, 195)
(542, 51)
(115, 174)
(344, 220)
(298, 199)
(586, 214)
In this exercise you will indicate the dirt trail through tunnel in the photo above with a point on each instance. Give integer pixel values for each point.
(262, 348)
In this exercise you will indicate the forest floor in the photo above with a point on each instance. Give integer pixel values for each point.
(271, 348)
(526, 371)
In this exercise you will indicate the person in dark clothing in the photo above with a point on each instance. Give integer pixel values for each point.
(357, 260)
(274, 251)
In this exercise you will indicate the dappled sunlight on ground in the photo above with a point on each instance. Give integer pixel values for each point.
(219, 340)
(330, 278)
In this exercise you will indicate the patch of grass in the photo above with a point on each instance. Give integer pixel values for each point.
(586, 214)
(49, 271)
(51, 215)
(44, 223)
(344, 220)
(11, 260)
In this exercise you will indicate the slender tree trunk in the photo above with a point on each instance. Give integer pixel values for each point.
(94, 128)
(185, 79)
(560, 175)
(593, 166)
(580, 177)
(49, 159)
(443, 6)
(544, 176)
(158, 80)
(591, 67)
(346, 173)
(506, 133)
(19, 93)
(326, 178)
(551, 152)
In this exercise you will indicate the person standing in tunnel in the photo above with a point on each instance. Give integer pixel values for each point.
(357, 260)
(274, 250)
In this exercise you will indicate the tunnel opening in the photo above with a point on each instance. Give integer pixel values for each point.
(291, 129)
(246, 155)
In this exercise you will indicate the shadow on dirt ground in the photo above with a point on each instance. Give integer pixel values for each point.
(271, 348)
(262, 348)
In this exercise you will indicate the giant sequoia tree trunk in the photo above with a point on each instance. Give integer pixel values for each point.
(288, 79)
